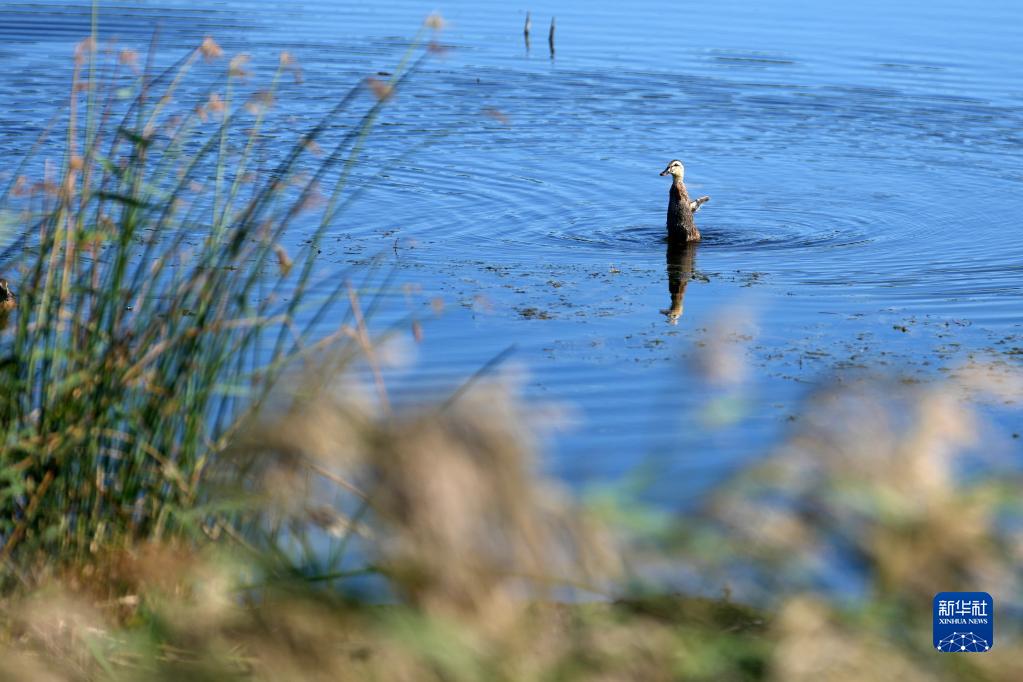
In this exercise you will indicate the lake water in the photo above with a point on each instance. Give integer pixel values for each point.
(863, 161)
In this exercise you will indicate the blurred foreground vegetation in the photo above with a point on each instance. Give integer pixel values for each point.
(192, 489)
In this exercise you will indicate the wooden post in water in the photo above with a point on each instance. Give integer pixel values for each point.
(525, 30)
(550, 38)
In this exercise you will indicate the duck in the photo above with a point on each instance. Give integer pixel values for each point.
(681, 227)
(7, 300)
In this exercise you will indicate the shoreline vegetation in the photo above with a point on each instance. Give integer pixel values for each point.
(193, 488)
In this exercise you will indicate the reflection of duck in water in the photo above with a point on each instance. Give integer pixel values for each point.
(681, 256)
(680, 207)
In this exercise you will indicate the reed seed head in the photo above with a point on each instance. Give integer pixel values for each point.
(210, 50)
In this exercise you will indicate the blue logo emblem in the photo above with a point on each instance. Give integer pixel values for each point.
(964, 622)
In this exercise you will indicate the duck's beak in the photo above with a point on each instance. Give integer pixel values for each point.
(665, 171)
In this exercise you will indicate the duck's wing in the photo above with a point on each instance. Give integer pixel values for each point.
(694, 206)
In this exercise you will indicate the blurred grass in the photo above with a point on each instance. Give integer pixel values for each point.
(193, 489)
(486, 570)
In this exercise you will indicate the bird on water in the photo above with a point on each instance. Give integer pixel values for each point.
(681, 227)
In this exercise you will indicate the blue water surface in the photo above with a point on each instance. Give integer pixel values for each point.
(863, 160)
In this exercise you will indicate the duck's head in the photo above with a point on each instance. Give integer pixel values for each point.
(675, 168)
(5, 289)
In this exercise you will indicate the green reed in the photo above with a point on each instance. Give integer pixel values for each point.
(156, 306)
